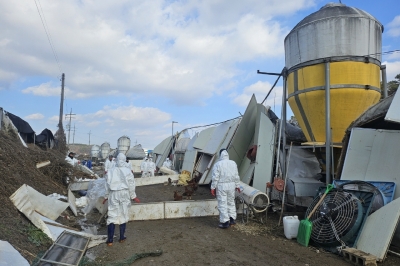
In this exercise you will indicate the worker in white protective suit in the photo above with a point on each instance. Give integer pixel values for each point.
(109, 163)
(151, 167)
(120, 190)
(71, 159)
(225, 180)
(144, 167)
(167, 164)
(129, 165)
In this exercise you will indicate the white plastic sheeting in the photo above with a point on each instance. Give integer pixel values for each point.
(9, 256)
(39, 209)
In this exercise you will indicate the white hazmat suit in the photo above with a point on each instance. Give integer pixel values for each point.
(71, 160)
(225, 179)
(167, 163)
(120, 189)
(108, 164)
(151, 167)
(144, 167)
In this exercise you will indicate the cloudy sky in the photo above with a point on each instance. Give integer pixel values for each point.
(133, 67)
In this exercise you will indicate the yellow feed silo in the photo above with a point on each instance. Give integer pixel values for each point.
(351, 41)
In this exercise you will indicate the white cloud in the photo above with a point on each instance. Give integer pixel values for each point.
(260, 90)
(393, 28)
(36, 116)
(48, 89)
(183, 50)
(392, 69)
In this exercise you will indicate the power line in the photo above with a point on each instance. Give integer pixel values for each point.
(43, 19)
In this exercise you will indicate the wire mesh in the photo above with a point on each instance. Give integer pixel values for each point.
(342, 208)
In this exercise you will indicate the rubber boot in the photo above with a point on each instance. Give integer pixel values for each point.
(110, 234)
(224, 225)
(122, 236)
(231, 221)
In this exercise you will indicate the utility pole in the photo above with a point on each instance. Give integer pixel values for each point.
(60, 126)
(89, 135)
(73, 136)
(69, 124)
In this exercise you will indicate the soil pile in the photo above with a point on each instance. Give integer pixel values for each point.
(18, 167)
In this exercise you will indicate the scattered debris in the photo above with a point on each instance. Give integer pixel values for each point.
(42, 164)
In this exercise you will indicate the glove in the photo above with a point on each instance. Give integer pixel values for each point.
(104, 201)
(213, 192)
(136, 200)
(238, 189)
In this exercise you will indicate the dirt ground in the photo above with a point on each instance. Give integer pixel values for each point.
(198, 241)
(190, 241)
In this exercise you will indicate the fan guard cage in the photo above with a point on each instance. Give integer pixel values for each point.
(343, 209)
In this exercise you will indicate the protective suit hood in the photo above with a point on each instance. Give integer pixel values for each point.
(224, 155)
(121, 160)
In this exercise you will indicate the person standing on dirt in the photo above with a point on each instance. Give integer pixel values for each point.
(143, 167)
(71, 160)
(110, 163)
(120, 190)
(151, 167)
(225, 179)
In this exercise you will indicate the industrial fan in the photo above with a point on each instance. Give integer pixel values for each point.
(340, 217)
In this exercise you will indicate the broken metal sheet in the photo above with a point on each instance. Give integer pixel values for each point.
(9, 256)
(244, 134)
(160, 148)
(72, 202)
(217, 137)
(146, 211)
(68, 249)
(203, 162)
(182, 209)
(393, 114)
(30, 202)
(56, 229)
(203, 138)
(81, 185)
(265, 141)
(206, 177)
(155, 180)
(373, 155)
(378, 230)
(42, 164)
(166, 152)
(189, 160)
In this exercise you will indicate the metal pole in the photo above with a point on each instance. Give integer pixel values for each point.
(327, 124)
(62, 101)
(73, 136)
(283, 132)
(384, 81)
(69, 125)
